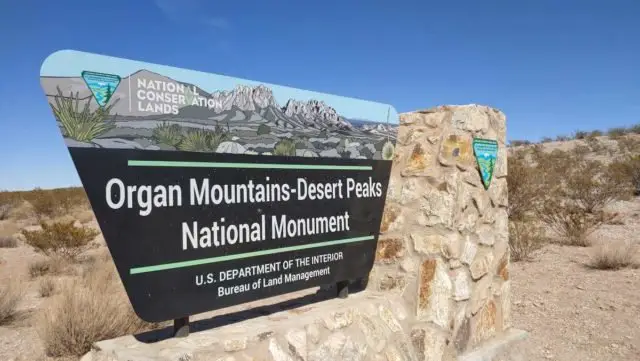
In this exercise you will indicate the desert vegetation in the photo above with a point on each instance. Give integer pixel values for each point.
(69, 275)
(562, 196)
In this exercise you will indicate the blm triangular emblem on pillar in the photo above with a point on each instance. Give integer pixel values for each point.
(486, 152)
(102, 85)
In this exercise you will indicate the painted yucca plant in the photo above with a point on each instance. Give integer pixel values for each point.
(202, 140)
(196, 140)
(388, 151)
(169, 134)
(81, 125)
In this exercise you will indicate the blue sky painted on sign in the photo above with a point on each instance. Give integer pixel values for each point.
(552, 66)
(72, 63)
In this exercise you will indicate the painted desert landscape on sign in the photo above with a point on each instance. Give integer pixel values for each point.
(151, 111)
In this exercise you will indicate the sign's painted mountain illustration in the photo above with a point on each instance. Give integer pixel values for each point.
(148, 110)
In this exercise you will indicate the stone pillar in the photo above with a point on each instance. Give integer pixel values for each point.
(444, 238)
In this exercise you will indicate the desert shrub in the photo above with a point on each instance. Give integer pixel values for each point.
(627, 170)
(5, 209)
(43, 202)
(629, 144)
(8, 242)
(10, 296)
(595, 133)
(581, 151)
(169, 134)
(562, 138)
(576, 196)
(81, 314)
(48, 266)
(524, 186)
(264, 129)
(580, 134)
(616, 132)
(60, 239)
(46, 287)
(635, 129)
(546, 140)
(591, 186)
(285, 147)
(573, 223)
(612, 255)
(517, 143)
(83, 125)
(524, 239)
(594, 144)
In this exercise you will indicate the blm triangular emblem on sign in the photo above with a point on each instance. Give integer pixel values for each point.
(486, 152)
(102, 85)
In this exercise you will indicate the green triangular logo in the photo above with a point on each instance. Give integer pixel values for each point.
(486, 153)
(102, 85)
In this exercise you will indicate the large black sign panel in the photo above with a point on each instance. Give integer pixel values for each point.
(213, 191)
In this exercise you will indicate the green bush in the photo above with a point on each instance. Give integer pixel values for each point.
(60, 239)
(84, 125)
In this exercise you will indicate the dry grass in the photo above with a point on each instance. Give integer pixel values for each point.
(10, 296)
(613, 255)
(81, 314)
(8, 242)
(44, 203)
(46, 287)
(49, 266)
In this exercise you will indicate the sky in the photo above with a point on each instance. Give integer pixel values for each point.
(553, 67)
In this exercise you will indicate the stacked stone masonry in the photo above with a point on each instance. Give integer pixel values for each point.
(440, 285)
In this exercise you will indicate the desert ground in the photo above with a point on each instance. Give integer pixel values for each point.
(578, 302)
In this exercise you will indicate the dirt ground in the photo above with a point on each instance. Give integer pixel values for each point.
(572, 312)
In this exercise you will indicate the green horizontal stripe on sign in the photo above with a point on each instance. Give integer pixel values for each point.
(198, 262)
(183, 164)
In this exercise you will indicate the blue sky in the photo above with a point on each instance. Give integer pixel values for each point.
(552, 66)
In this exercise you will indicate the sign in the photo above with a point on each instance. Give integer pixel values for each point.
(486, 152)
(213, 191)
